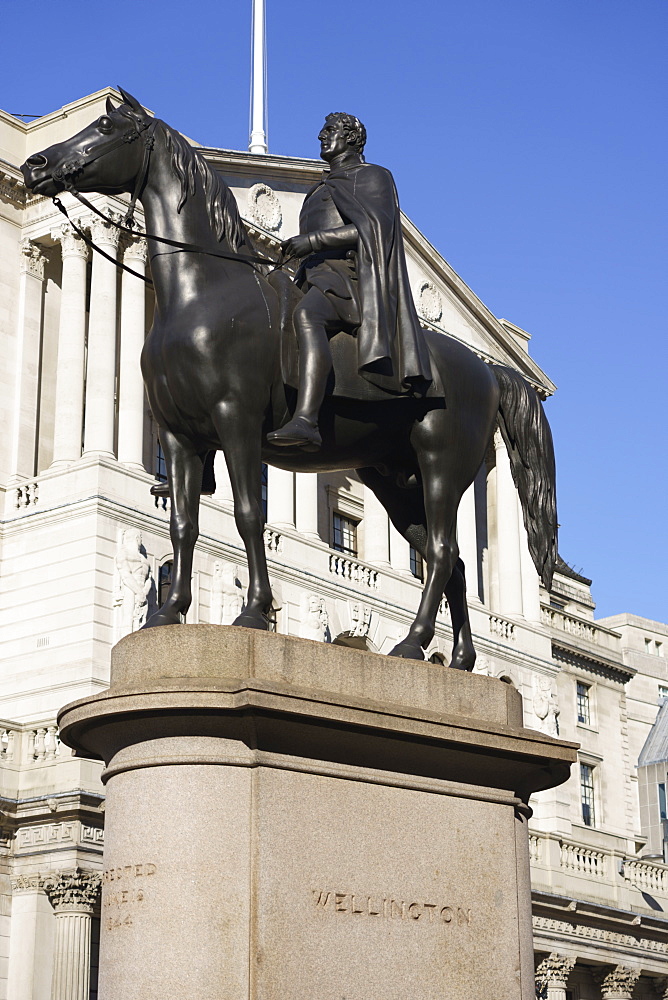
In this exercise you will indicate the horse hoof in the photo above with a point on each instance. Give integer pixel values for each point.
(463, 661)
(250, 619)
(162, 618)
(408, 650)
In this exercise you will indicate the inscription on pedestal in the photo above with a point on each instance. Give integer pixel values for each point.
(119, 901)
(390, 908)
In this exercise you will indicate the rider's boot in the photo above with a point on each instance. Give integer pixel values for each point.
(315, 364)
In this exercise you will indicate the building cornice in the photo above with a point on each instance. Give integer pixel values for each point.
(11, 184)
(594, 663)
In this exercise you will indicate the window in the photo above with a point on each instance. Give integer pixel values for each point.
(264, 494)
(160, 466)
(584, 715)
(663, 691)
(344, 532)
(417, 565)
(654, 647)
(164, 581)
(587, 794)
(662, 801)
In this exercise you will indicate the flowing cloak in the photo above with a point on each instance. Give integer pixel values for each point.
(391, 349)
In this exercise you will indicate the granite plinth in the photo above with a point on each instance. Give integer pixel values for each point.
(290, 819)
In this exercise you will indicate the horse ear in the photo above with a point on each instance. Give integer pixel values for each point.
(131, 101)
(110, 106)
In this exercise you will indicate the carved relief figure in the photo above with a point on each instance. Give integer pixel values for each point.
(545, 705)
(132, 583)
(226, 594)
(313, 618)
(360, 619)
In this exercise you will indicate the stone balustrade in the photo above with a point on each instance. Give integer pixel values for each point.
(353, 571)
(580, 629)
(31, 744)
(602, 868)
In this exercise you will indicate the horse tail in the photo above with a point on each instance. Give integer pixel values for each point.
(528, 437)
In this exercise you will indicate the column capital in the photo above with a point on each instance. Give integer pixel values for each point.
(74, 889)
(618, 983)
(105, 232)
(33, 259)
(71, 244)
(27, 883)
(136, 250)
(553, 971)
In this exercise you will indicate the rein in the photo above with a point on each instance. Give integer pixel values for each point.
(68, 170)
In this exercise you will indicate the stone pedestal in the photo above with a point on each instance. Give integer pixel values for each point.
(290, 819)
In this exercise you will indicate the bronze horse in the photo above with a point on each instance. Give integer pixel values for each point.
(212, 368)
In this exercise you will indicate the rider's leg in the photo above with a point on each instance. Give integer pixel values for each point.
(313, 318)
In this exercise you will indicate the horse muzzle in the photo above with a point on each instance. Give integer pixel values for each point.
(41, 178)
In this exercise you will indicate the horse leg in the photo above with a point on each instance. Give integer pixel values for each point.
(241, 446)
(463, 652)
(184, 474)
(406, 510)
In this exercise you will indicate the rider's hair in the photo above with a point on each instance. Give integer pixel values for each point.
(350, 124)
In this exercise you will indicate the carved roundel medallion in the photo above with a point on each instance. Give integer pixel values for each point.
(264, 207)
(429, 302)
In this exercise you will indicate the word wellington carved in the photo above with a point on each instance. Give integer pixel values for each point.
(388, 908)
(212, 366)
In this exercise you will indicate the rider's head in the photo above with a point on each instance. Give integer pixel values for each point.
(355, 131)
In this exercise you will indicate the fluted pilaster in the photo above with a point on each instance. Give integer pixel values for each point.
(131, 383)
(68, 424)
(101, 366)
(31, 297)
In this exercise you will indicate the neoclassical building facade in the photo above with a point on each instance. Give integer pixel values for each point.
(85, 555)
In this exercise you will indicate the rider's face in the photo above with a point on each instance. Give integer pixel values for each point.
(333, 140)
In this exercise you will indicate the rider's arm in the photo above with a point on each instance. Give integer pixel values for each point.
(345, 237)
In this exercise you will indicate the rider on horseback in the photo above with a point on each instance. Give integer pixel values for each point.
(354, 278)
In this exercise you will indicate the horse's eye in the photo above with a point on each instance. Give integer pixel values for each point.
(105, 124)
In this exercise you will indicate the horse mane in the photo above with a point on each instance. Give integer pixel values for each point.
(221, 206)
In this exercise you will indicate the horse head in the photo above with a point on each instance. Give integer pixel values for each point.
(103, 157)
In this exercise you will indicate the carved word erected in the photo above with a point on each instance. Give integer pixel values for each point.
(122, 891)
(388, 908)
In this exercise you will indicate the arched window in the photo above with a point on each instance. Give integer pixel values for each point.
(164, 581)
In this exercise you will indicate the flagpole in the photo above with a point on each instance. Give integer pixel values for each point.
(258, 135)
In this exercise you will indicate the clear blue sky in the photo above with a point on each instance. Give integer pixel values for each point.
(528, 141)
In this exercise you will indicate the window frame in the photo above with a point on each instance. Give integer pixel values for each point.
(351, 521)
(586, 765)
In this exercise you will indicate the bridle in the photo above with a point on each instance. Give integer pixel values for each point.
(66, 173)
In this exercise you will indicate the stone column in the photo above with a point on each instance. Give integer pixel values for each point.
(507, 534)
(223, 484)
(376, 530)
(306, 504)
(530, 580)
(281, 498)
(400, 552)
(73, 895)
(101, 367)
(552, 976)
(31, 298)
(71, 349)
(131, 383)
(467, 539)
(619, 983)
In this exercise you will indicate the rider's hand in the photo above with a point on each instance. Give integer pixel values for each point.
(296, 246)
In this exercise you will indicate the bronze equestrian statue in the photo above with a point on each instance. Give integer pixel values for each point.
(354, 277)
(214, 378)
